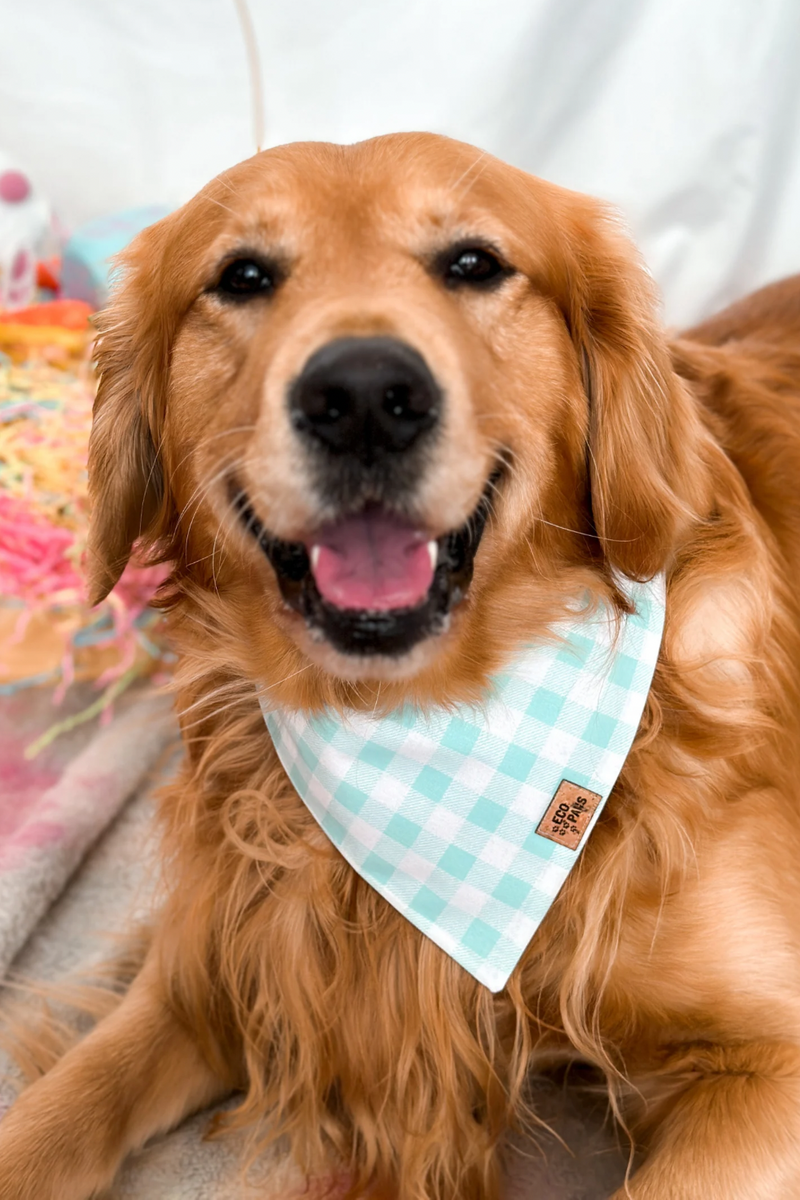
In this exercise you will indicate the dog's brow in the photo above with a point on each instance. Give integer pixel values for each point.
(272, 252)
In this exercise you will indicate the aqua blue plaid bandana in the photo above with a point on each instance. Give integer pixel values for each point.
(468, 821)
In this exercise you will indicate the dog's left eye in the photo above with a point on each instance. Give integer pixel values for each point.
(245, 277)
(472, 265)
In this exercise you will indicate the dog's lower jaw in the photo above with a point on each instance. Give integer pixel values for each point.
(364, 668)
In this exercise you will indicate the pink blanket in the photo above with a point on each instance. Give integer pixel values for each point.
(54, 807)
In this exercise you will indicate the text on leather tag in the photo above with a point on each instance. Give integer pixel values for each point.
(568, 816)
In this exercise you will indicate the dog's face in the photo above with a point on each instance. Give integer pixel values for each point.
(390, 400)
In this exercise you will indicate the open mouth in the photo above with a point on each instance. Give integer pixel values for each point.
(372, 583)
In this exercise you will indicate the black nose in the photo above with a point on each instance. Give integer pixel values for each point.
(365, 397)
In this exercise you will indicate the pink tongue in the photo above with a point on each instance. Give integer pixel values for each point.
(371, 561)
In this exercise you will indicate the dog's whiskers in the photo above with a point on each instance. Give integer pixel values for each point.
(258, 689)
(480, 158)
(201, 491)
(232, 686)
(224, 527)
(213, 437)
(212, 200)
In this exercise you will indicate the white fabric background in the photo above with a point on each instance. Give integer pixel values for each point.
(686, 113)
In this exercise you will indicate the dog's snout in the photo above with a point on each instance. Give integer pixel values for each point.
(365, 397)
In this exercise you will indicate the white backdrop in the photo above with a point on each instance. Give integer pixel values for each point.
(685, 113)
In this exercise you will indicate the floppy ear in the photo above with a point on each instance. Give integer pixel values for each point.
(126, 488)
(647, 477)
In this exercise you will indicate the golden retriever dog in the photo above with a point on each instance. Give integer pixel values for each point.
(538, 434)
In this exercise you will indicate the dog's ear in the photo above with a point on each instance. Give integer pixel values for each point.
(126, 488)
(647, 480)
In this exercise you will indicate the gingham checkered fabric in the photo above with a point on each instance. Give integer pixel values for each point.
(439, 812)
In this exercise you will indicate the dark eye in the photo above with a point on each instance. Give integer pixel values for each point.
(473, 265)
(244, 278)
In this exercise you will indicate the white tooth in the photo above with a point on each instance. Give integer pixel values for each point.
(433, 552)
(315, 551)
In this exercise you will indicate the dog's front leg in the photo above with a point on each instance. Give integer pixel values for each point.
(138, 1073)
(725, 1125)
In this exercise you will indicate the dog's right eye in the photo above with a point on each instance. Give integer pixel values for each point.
(244, 278)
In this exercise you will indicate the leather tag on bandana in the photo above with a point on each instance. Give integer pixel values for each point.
(569, 814)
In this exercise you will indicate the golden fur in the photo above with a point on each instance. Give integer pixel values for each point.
(671, 958)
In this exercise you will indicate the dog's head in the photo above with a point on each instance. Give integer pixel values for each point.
(392, 402)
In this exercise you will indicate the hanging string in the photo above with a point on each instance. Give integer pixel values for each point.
(254, 70)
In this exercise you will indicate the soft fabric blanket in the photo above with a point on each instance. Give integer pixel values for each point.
(76, 848)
